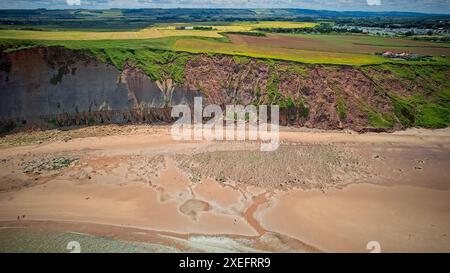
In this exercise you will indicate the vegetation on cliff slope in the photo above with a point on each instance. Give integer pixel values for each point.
(426, 102)
(157, 64)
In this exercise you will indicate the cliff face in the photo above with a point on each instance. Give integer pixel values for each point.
(43, 82)
(58, 86)
(372, 98)
(64, 87)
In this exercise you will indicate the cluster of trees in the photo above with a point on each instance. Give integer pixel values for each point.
(202, 28)
(248, 33)
(321, 28)
(432, 38)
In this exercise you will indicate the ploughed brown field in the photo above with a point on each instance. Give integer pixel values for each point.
(342, 43)
(321, 191)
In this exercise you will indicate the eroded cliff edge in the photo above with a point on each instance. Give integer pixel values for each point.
(55, 86)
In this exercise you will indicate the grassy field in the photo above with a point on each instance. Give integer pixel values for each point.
(147, 33)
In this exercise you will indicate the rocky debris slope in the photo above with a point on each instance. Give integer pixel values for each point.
(326, 96)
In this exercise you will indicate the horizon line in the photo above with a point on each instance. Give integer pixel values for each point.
(249, 8)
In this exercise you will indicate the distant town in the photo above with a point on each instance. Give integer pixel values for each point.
(393, 31)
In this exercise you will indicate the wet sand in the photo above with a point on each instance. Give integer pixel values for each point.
(322, 191)
(400, 218)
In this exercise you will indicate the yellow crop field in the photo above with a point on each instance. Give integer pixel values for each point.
(147, 33)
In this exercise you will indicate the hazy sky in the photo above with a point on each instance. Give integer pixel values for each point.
(434, 6)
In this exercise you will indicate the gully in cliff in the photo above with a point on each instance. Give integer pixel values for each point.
(239, 123)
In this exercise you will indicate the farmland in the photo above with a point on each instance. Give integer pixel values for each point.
(331, 49)
(203, 33)
(158, 31)
(235, 38)
(147, 33)
(327, 49)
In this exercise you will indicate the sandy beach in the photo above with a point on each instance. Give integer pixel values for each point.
(321, 191)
